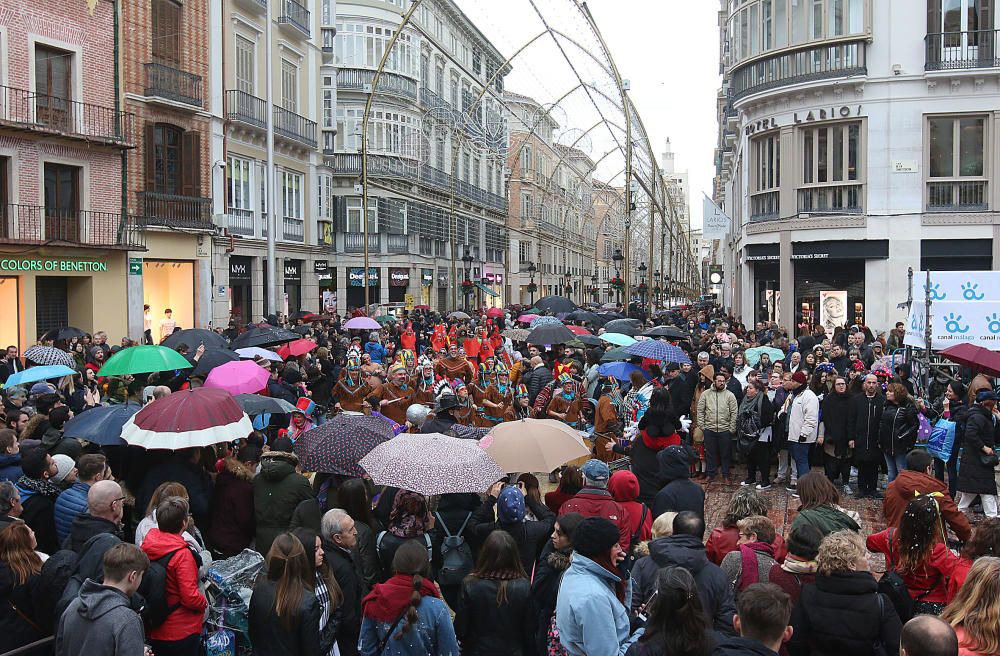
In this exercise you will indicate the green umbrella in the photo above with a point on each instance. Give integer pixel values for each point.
(617, 355)
(144, 360)
(385, 318)
(753, 354)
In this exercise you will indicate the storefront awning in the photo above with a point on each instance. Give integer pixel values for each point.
(486, 290)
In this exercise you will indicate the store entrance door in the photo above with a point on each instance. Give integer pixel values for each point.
(51, 304)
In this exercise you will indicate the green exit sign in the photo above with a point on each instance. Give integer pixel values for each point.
(135, 266)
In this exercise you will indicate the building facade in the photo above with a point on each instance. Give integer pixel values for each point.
(65, 229)
(858, 139)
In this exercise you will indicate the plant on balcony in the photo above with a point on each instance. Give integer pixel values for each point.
(617, 283)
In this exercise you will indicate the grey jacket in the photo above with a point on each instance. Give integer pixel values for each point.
(99, 622)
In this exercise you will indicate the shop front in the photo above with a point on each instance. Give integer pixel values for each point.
(356, 287)
(494, 289)
(240, 289)
(829, 281)
(399, 281)
(426, 282)
(763, 260)
(327, 279)
(293, 286)
(169, 285)
(956, 254)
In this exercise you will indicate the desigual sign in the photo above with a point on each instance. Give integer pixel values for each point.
(399, 277)
(356, 276)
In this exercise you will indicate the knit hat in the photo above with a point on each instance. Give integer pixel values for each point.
(594, 537)
(800, 377)
(64, 465)
(510, 506)
(595, 470)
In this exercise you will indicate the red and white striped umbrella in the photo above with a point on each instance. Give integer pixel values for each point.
(189, 418)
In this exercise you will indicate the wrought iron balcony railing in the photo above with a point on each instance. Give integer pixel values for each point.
(53, 115)
(245, 108)
(173, 84)
(295, 14)
(290, 125)
(948, 51)
(35, 224)
(174, 211)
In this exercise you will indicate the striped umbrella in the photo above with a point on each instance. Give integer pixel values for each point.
(186, 419)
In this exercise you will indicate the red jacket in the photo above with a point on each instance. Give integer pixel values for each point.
(595, 502)
(182, 586)
(723, 540)
(624, 487)
(958, 576)
(910, 484)
(933, 575)
(555, 499)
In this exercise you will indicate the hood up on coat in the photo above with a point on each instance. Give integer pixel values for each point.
(624, 486)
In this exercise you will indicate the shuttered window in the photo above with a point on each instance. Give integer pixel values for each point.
(245, 66)
(166, 23)
(173, 160)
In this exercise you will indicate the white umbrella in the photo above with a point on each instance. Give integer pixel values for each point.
(432, 464)
(530, 445)
(251, 352)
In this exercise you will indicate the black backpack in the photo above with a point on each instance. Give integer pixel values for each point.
(153, 589)
(456, 554)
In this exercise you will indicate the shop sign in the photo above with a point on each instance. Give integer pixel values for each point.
(491, 278)
(408, 300)
(426, 277)
(957, 286)
(135, 266)
(762, 125)
(239, 270)
(293, 271)
(762, 258)
(44, 264)
(222, 291)
(499, 278)
(399, 277)
(857, 249)
(322, 270)
(905, 166)
(356, 276)
(813, 115)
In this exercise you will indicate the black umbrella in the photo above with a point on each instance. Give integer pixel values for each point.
(586, 317)
(254, 404)
(302, 330)
(212, 358)
(195, 337)
(629, 327)
(555, 304)
(590, 340)
(56, 334)
(266, 336)
(609, 315)
(670, 332)
(338, 445)
(550, 333)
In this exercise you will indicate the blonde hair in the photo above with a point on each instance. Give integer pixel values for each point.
(976, 607)
(663, 525)
(840, 552)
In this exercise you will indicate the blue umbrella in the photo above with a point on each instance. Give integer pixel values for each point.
(35, 374)
(620, 370)
(654, 349)
(541, 321)
(617, 339)
(101, 425)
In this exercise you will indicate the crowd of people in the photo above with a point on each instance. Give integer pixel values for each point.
(107, 549)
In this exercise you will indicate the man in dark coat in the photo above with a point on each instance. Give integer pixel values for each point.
(679, 493)
(339, 539)
(38, 496)
(277, 491)
(864, 416)
(510, 505)
(976, 475)
(232, 526)
(182, 467)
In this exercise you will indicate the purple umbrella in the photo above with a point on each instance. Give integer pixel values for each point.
(362, 323)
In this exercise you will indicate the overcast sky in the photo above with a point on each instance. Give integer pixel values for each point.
(667, 49)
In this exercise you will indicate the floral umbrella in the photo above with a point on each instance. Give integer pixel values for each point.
(432, 464)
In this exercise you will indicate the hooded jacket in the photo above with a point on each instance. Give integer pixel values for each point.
(86, 526)
(182, 586)
(587, 599)
(688, 552)
(71, 502)
(624, 488)
(911, 484)
(277, 490)
(679, 493)
(980, 431)
(100, 622)
(10, 467)
(740, 646)
(827, 518)
(231, 527)
(596, 502)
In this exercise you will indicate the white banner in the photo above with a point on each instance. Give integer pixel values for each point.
(955, 286)
(715, 222)
(954, 323)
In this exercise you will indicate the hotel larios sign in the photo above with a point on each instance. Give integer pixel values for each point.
(46, 264)
(813, 115)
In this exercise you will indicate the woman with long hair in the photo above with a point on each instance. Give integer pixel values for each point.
(353, 497)
(676, 623)
(985, 542)
(754, 421)
(919, 553)
(744, 503)
(20, 566)
(285, 614)
(405, 616)
(953, 408)
(820, 506)
(494, 616)
(975, 612)
(898, 428)
(326, 589)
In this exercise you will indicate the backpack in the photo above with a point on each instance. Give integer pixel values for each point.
(456, 554)
(153, 589)
(399, 541)
(80, 567)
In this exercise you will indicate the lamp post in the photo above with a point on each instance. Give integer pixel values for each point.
(618, 258)
(593, 287)
(531, 285)
(642, 283)
(657, 290)
(567, 284)
(467, 284)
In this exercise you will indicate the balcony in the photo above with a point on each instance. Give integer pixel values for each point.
(358, 79)
(174, 211)
(34, 224)
(254, 5)
(60, 117)
(247, 109)
(293, 229)
(950, 51)
(957, 196)
(292, 13)
(240, 221)
(431, 100)
(382, 166)
(764, 206)
(173, 84)
(290, 125)
(804, 64)
(354, 242)
(398, 243)
(832, 199)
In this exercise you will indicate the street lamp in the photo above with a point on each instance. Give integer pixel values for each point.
(657, 290)
(567, 284)
(593, 286)
(618, 258)
(642, 282)
(467, 283)
(531, 286)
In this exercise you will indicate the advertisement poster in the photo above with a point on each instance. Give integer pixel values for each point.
(773, 298)
(833, 309)
(329, 302)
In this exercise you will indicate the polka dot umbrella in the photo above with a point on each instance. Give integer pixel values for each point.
(338, 445)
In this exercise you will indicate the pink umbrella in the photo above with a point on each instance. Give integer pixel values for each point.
(189, 418)
(239, 377)
(362, 323)
(527, 318)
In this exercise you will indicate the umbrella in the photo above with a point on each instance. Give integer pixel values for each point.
(254, 405)
(143, 360)
(975, 357)
(194, 337)
(515, 334)
(494, 313)
(212, 358)
(555, 304)
(589, 340)
(550, 334)
(670, 332)
(49, 355)
(56, 334)
(617, 339)
(264, 336)
(296, 348)
(305, 315)
(585, 316)
(362, 323)
(533, 445)
(101, 425)
(432, 464)
(620, 370)
(608, 315)
(421, 307)
(527, 318)
(338, 445)
(252, 352)
(753, 354)
(616, 355)
(541, 321)
(385, 318)
(241, 377)
(629, 327)
(302, 330)
(654, 349)
(186, 419)
(35, 374)
(577, 330)
(458, 314)
(609, 306)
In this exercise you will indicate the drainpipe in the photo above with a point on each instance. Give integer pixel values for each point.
(118, 109)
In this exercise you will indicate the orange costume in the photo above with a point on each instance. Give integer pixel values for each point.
(398, 401)
(350, 394)
(452, 368)
(504, 399)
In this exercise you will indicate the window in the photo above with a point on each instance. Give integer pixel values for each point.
(956, 167)
(525, 159)
(324, 187)
(831, 165)
(349, 128)
(526, 208)
(291, 195)
(166, 28)
(245, 66)
(765, 180)
(238, 183)
(329, 96)
(354, 206)
(289, 86)
(264, 190)
(361, 45)
(392, 132)
(328, 12)
(453, 90)
(425, 70)
(53, 84)
(439, 77)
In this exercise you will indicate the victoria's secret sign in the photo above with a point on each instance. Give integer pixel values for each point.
(813, 115)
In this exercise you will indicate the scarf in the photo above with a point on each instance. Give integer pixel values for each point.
(748, 554)
(404, 521)
(604, 560)
(661, 442)
(799, 566)
(38, 486)
(389, 600)
(751, 405)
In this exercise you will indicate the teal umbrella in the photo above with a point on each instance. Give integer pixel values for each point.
(144, 360)
(617, 339)
(753, 354)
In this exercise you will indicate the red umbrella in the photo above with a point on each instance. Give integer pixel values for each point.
(976, 357)
(421, 307)
(578, 330)
(494, 312)
(186, 419)
(296, 348)
(238, 377)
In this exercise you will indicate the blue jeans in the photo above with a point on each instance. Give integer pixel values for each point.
(895, 464)
(799, 452)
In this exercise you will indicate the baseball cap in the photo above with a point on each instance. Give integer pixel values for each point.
(596, 470)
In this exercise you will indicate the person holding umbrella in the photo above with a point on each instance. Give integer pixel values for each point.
(565, 406)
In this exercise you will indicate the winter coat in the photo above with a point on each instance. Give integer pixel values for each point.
(864, 422)
(732, 565)
(231, 527)
(624, 487)
(595, 502)
(688, 552)
(348, 577)
(485, 628)
(100, 622)
(836, 423)
(277, 490)
(740, 646)
(980, 431)
(376, 350)
(587, 599)
(71, 502)
(911, 484)
(932, 575)
(270, 637)
(10, 467)
(535, 380)
(723, 540)
(86, 526)
(898, 428)
(39, 513)
(843, 613)
(182, 586)
(717, 410)
(545, 590)
(827, 518)
(194, 479)
(16, 631)
(803, 417)
(646, 467)
(529, 536)
(680, 493)
(432, 634)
